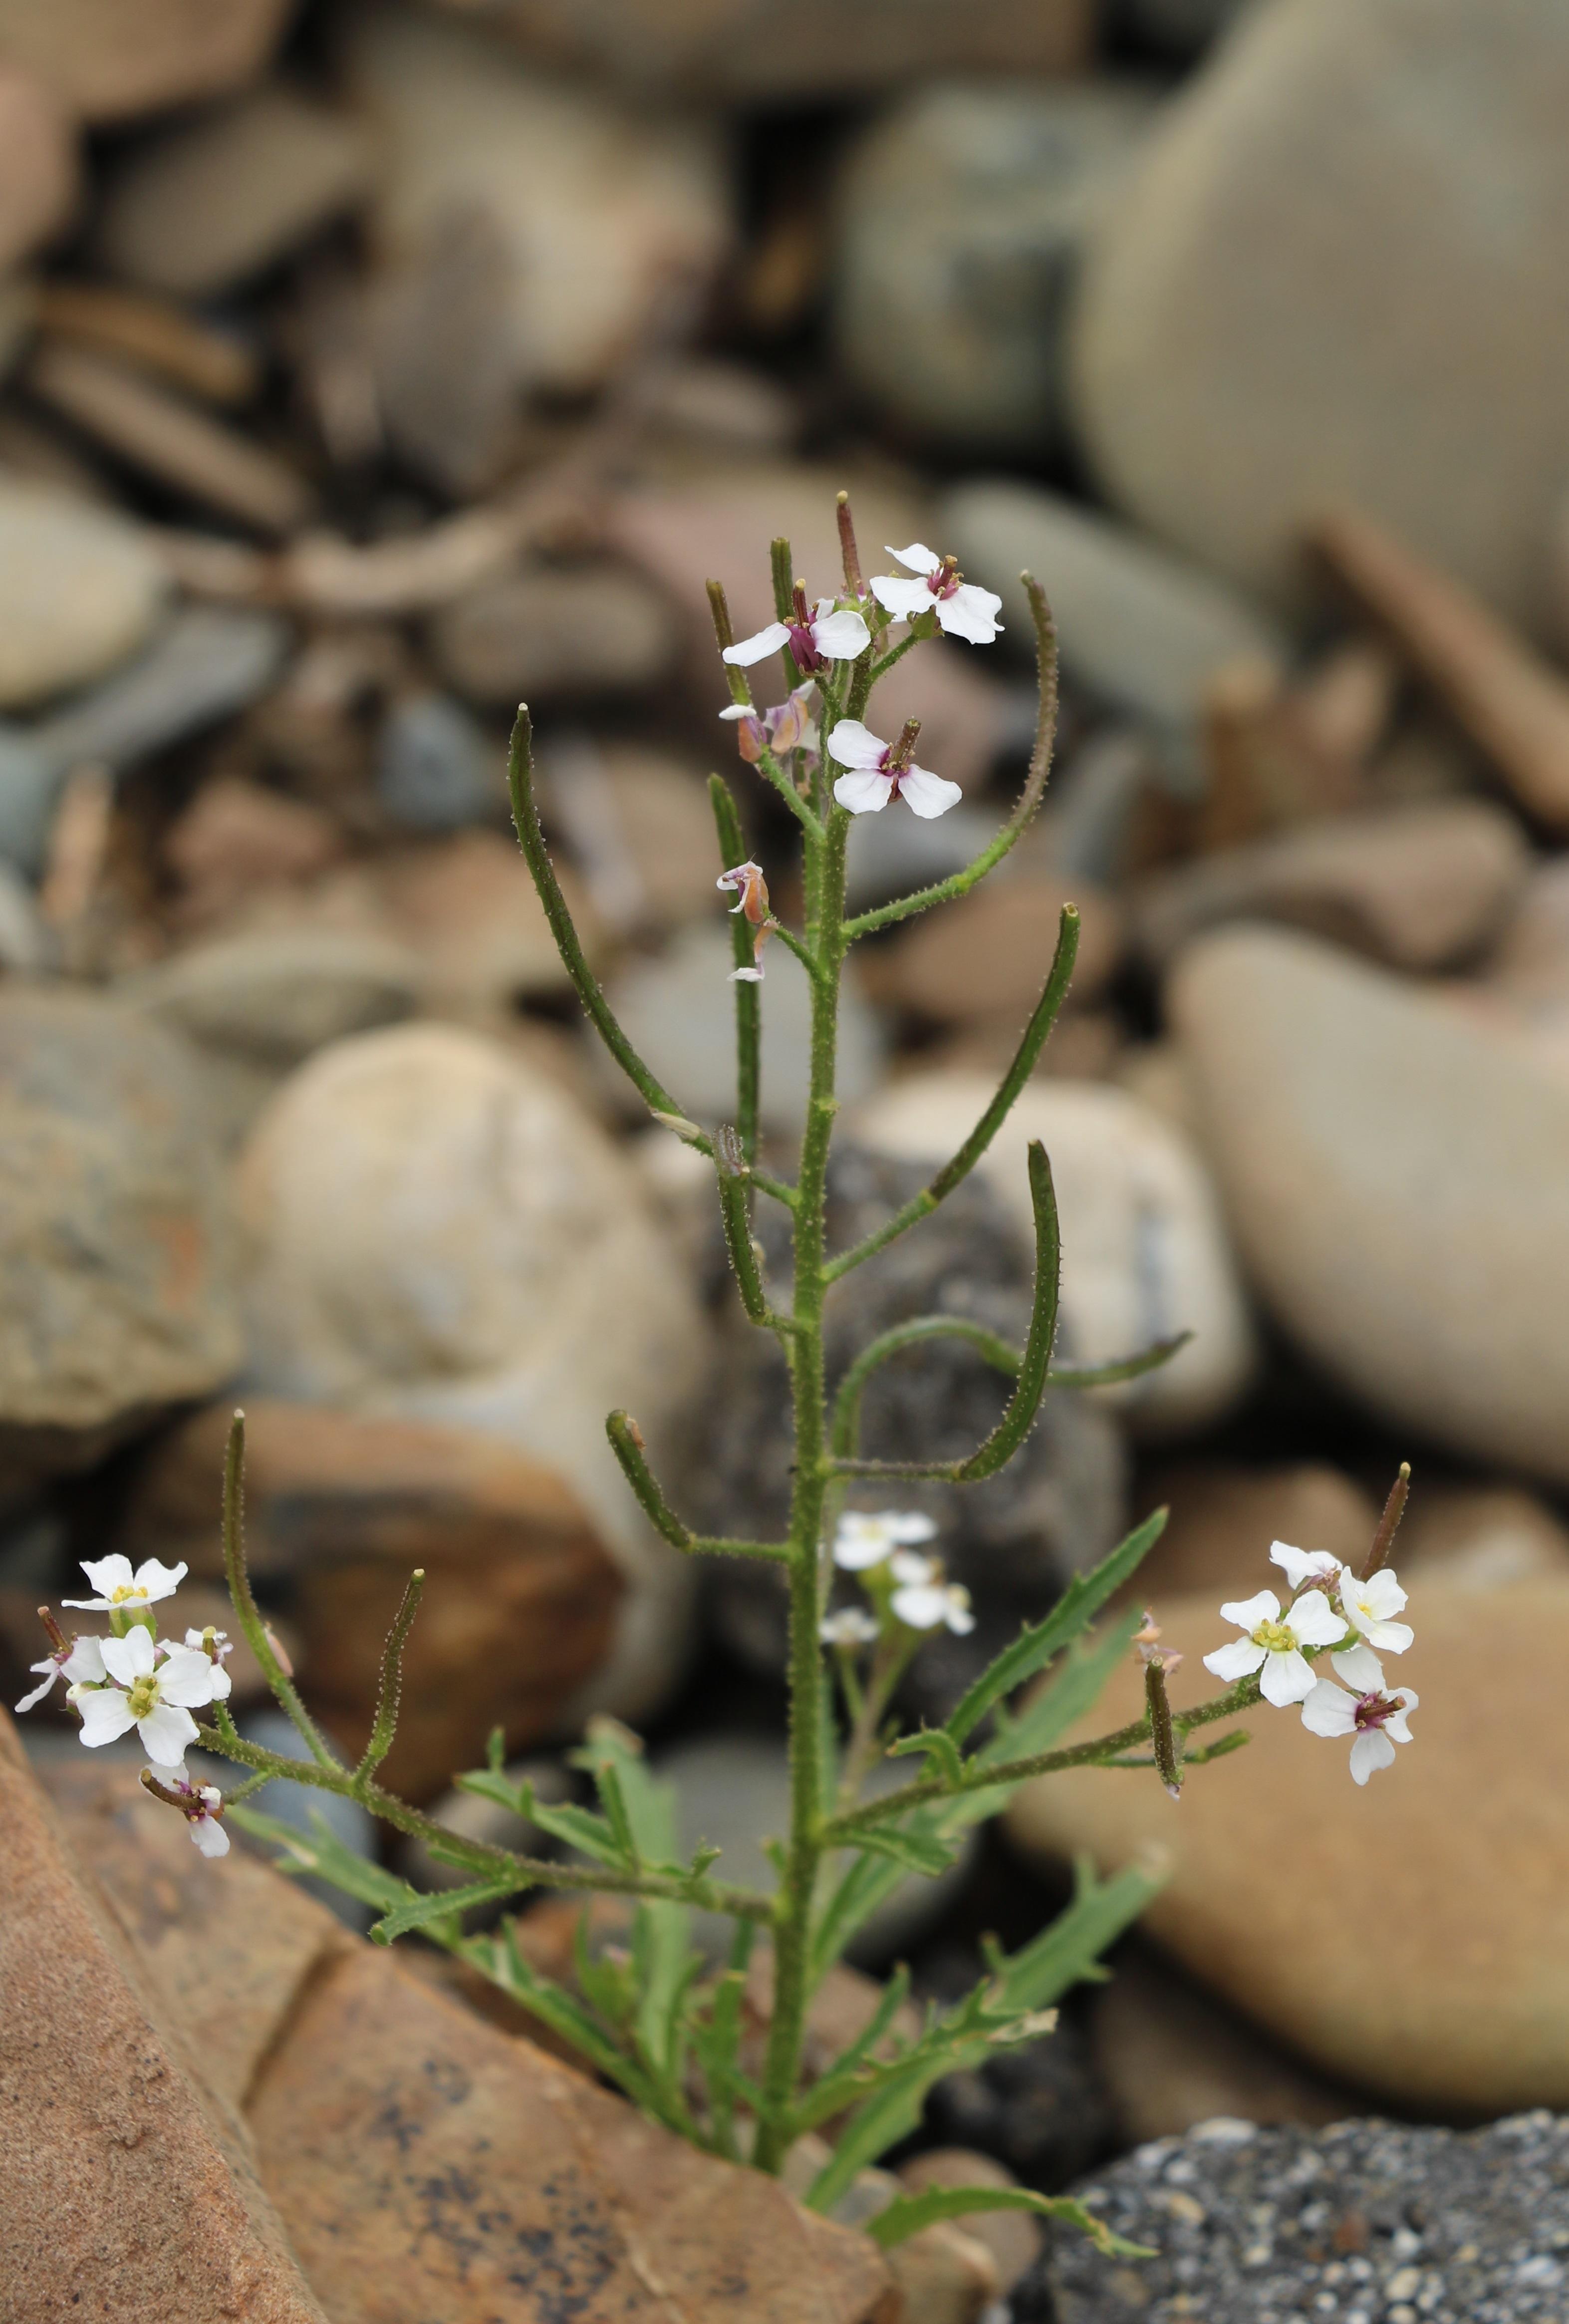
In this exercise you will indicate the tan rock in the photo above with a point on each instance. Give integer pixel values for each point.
(78, 593)
(537, 636)
(237, 837)
(1454, 1859)
(1222, 1519)
(154, 332)
(110, 59)
(987, 955)
(1481, 1537)
(37, 163)
(1012, 2238)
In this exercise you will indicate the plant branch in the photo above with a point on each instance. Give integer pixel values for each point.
(748, 1000)
(626, 1442)
(389, 1690)
(236, 1573)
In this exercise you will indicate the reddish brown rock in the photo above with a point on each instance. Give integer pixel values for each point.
(38, 169)
(109, 59)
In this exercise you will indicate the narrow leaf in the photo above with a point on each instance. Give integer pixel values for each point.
(938, 1745)
(446, 1907)
(916, 1851)
(907, 2215)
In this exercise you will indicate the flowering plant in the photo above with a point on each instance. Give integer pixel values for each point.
(661, 2020)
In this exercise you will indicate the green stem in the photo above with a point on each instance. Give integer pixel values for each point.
(390, 1692)
(248, 1612)
(627, 1444)
(748, 1000)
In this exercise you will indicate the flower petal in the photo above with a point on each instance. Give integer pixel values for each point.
(1390, 1637)
(85, 1662)
(917, 557)
(1381, 1594)
(167, 1734)
(958, 1614)
(53, 1668)
(209, 1835)
(901, 598)
(1287, 1679)
(865, 792)
(909, 1566)
(1314, 1622)
(1372, 1751)
(129, 1658)
(925, 794)
(156, 1580)
(107, 1574)
(1359, 1667)
(187, 1677)
(908, 1525)
(1239, 1658)
(1301, 1565)
(854, 745)
(757, 648)
(921, 1605)
(105, 1715)
(840, 636)
(1329, 1709)
(970, 614)
(1247, 1613)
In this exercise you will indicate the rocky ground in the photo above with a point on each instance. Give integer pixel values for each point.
(366, 369)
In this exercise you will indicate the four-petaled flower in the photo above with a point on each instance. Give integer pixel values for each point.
(201, 1804)
(863, 1539)
(1375, 1722)
(877, 771)
(963, 611)
(848, 1625)
(1356, 1663)
(1370, 1606)
(80, 1665)
(1274, 1643)
(122, 1592)
(152, 1690)
(751, 897)
(787, 726)
(814, 638)
(923, 1599)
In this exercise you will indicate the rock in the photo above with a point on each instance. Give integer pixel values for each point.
(115, 1260)
(1531, 960)
(441, 344)
(200, 207)
(1144, 1251)
(37, 164)
(24, 942)
(1420, 887)
(1038, 2107)
(108, 61)
(437, 769)
(1243, 353)
(1382, 2218)
(709, 400)
(985, 958)
(1139, 626)
(238, 837)
(1481, 1537)
(174, 443)
(596, 205)
(77, 594)
(1305, 1063)
(216, 364)
(665, 823)
(1173, 2056)
(677, 1012)
(960, 215)
(1224, 1518)
(299, 1805)
(1465, 2012)
(1012, 2238)
(440, 1235)
(545, 634)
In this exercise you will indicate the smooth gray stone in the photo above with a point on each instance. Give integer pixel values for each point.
(437, 769)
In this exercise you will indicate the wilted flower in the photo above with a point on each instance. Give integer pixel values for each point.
(122, 1592)
(814, 638)
(1274, 1643)
(963, 611)
(787, 726)
(201, 1805)
(923, 1599)
(878, 769)
(863, 1540)
(1375, 1722)
(751, 897)
(1147, 1639)
(81, 1664)
(848, 1625)
(151, 1689)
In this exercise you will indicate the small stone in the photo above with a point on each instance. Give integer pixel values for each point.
(1480, 1538)
(1224, 1518)
(551, 634)
(1146, 1254)
(1012, 2238)
(111, 59)
(199, 207)
(37, 163)
(435, 769)
(78, 593)
(236, 838)
(1135, 623)
(986, 957)
(1421, 888)
(1306, 1063)
(962, 213)
(204, 664)
(218, 364)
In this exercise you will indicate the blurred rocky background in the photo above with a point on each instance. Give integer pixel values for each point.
(367, 368)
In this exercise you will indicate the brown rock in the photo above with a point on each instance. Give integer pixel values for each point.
(110, 59)
(237, 836)
(37, 163)
(117, 2159)
(1457, 1855)
(987, 955)
(1481, 1537)
(165, 438)
(1012, 2238)
(153, 333)
(1222, 1519)
(547, 633)
(1172, 2056)
(520, 1601)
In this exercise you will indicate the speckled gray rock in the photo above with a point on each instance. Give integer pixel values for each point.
(1366, 2220)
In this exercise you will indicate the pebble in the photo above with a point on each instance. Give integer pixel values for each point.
(1145, 1251)
(554, 634)
(78, 593)
(1238, 362)
(37, 164)
(437, 769)
(641, 827)
(1306, 1063)
(961, 215)
(235, 840)
(111, 60)
(200, 207)
(439, 1233)
(1144, 629)
(1468, 2012)
(985, 958)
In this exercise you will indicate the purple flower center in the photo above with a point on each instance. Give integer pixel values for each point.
(804, 646)
(1373, 1710)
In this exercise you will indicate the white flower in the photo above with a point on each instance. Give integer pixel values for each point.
(876, 774)
(222, 1647)
(201, 1804)
(151, 1694)
(851, 1625)
(822, 635)
(863, 1540)
(1303, 1566)
(924, 1600)
(1359, 1667)
(1370, 1606)
(80, 1665)
(1375, 1722)
(119, 1588)
(787, 726)
(1274, 1644)
(963, 611)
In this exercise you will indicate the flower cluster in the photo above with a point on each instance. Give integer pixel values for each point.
(133, 1679)
(1352, 1616)
(904, 1583)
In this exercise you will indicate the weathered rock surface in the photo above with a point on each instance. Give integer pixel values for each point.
(544, 634)
(78, 593)
(986, 956)
(37, 163)
(1145, 1253)
(1246, 350)
(109, 59)
(960, 214)
(439, 1233)
(1395, 1178)
(1462, 1843)
(115, 1257)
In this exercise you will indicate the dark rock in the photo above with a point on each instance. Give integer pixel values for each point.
(437, 769)
(1042, 2108)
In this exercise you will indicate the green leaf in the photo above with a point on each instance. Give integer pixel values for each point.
(915, 1851)
(662, 1953)
(424, 1912)
(320, 1852)
(939, 1747)
(907, 2215)
(1083, 1598)
(1064, 1699)
(501, 1959)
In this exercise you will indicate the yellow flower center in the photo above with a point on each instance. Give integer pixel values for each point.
(1275, 1639)
(144, 1696)
(127, 1591)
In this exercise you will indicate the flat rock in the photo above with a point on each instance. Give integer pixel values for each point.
(1145, 1252)
(37, 163)
(1245, 351)
(439, 1233)
(1142, 628)
(200, 207)
(1308, 1065)
(542, 635)
(111, 59)
(115, 1256)
(960, 214)
(78, 593)
(1469, 2011)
